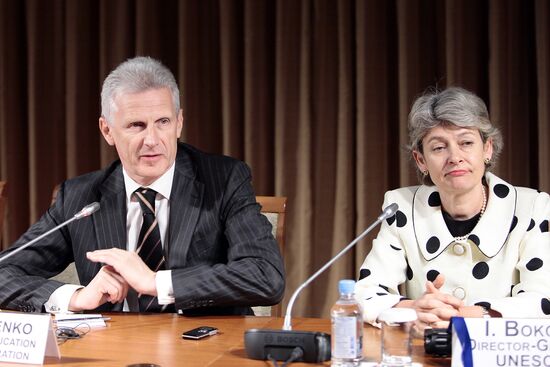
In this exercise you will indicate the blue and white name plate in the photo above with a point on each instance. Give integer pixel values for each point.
(26, 338)
(480, 342)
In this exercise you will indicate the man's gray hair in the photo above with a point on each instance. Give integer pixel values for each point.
(134, 76)
(454, 106)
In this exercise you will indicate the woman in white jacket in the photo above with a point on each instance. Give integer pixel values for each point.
(465, 242)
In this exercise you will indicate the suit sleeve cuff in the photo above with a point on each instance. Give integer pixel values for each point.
(60, 298)
(165, 288)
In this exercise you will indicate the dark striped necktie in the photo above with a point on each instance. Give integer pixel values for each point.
(149, 246)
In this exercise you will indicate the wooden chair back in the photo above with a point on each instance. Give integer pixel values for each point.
(274, 208)
(3, 202)
(69, 275)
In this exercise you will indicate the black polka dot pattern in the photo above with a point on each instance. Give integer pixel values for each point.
(390, 220)
(364, 273)
(432, 245)
(501, 190)
(514, 223)
(486, 305)
(434, 199)
(480, 270)
(534, 264)
(401, 219)
(545, 306)
(431, 275)
(384, 287)
(531, 225)
(474, 239)
(395, 248)
(381, 294)
(544, 226)
(409, 272)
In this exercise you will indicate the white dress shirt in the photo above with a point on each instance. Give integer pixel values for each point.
(60, 298)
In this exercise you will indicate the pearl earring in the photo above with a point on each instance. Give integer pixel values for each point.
(486, 161)
(425, 173)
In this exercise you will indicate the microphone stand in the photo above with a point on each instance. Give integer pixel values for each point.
(305, 346)
(84, 212)
(388, 212)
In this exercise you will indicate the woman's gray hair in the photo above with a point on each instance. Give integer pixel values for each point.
(133, 76)
(455, 106)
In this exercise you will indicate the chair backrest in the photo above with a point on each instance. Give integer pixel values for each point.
(3, 200)
(54, 193)
(69, 275)
(274, 208)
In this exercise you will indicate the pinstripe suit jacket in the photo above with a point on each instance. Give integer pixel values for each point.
(219, 246)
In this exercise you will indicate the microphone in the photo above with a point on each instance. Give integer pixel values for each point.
(84, 212)
(87, 210)
(315, 346)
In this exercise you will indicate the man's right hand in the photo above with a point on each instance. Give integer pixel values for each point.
(107, 286)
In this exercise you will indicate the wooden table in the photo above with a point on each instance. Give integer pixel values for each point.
(156, 338)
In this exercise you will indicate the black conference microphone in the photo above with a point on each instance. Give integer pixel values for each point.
(282, 345)
(84, 212)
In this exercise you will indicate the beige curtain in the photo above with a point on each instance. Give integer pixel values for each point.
(312, 94)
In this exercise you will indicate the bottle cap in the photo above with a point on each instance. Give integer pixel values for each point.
(399, 314)
(346, 286)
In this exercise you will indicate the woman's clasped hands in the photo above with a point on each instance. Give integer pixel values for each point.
(435, 308)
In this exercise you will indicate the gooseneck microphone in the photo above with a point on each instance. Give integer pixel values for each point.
(84, 212)
(386, 213)
(279, 344)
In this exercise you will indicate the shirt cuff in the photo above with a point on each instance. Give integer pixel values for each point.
(60, 298)
(165, 288)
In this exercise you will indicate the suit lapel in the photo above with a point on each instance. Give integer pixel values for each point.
(111, 219)
(185, 203)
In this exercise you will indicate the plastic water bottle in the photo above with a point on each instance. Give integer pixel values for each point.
(347, 327)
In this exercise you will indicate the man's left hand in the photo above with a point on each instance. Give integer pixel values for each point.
(130, 266)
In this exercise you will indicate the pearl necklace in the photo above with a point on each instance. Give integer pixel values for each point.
(483, 207)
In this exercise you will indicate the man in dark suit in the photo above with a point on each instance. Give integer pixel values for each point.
(216, 251)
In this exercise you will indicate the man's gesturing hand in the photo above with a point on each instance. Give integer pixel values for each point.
(107, 286)
(129, 266)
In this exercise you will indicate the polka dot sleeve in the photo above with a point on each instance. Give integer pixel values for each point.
(529, 296)
(384, 268)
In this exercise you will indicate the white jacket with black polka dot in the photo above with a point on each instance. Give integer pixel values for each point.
(503, 265)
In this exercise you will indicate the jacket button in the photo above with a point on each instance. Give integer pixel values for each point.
(459, 249)
(459, 293)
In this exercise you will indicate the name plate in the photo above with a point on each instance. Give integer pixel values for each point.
(26, 338)
(500, 342)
